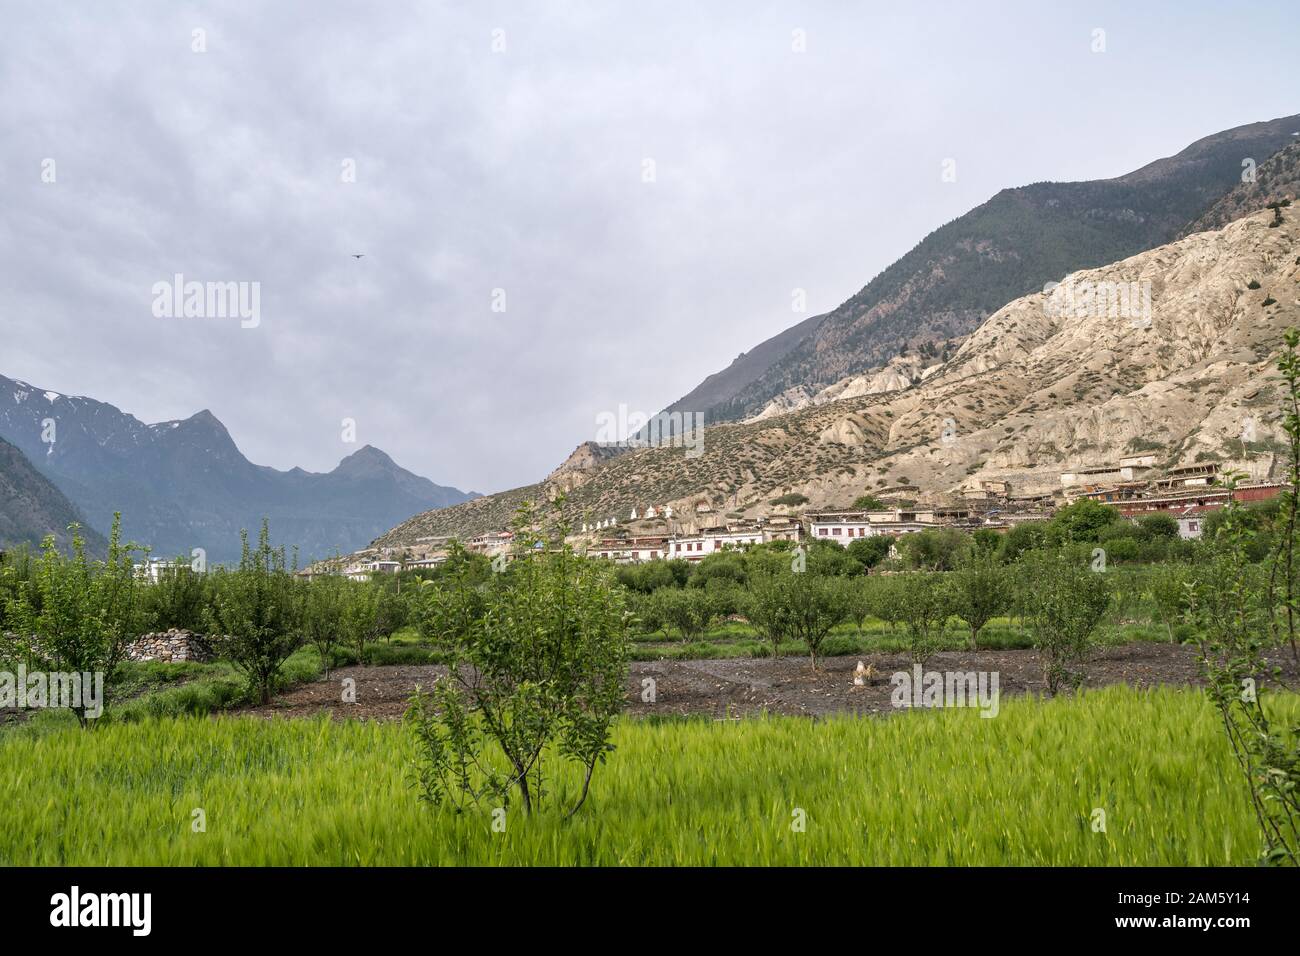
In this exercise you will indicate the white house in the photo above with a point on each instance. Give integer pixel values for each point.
(843, 526)
(1191, 521)
(699, 546)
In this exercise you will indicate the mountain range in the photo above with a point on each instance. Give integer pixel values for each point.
(951, 366)
(1039, 389)
(31, 507)
(1009, 246)
(184, 484)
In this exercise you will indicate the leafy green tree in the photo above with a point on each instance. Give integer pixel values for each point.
(77, 615)
(360, 618)
(255, 616)
(1021, 538)
(815, 604)
(537, 659)
(726, 566)
(868, 503)
(392, 612)
(322, 616)
(178, 599)
(690, 611)
(883, 596)
(645, 611)
(1242, 611)
(871, 551)
(979, 591)
(17, 572)
(1121, 549)
(862, 603)
(1168, 584)
(1157, 526)
(1081, 521)
(986, 541)
(646, 577)
(766, 607)
(1063, 601)
(1257, 526)
(940, 549)
(924, 605)
(829, 558)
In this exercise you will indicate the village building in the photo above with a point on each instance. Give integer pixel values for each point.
(630, 550)
(1032, 502)
(1248, 493)
(1111, 494)
(490, 543)
(155, 569)
(843, 526)
(781, 528)
(1191, 521)
(699, 546)
(1176, 501)
(1188, 476)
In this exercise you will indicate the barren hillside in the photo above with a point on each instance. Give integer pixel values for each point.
(1045, 383)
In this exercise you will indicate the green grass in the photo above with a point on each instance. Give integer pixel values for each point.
(146, 690)
(740, 640)
(935, 787)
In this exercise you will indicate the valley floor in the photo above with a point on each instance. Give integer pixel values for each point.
(786, 686)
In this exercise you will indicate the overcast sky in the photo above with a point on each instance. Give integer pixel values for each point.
(523, 169)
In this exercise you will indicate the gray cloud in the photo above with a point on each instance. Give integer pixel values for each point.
(522, 170)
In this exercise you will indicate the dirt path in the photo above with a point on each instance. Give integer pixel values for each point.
(787, 685)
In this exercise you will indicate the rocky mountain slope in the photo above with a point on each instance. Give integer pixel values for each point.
(1047, 383)
(1277, 178)
(958, 275)
(902, 371)
(31, 507)
(184, 484)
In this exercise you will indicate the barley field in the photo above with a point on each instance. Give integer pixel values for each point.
(920, 788)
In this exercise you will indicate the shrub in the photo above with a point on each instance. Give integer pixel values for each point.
(923, 605)
(539, 660)
(323, 603)
(793, 499)
(255, 617)
(1081, 521)
(77, 615)
(941, 549)
(1063, 601)
(980, 590)
(690, 611)
(179, 598)
(869, 552)
(1157, 526)
(815, 604)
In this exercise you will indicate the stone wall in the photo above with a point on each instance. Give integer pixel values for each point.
(173, 645)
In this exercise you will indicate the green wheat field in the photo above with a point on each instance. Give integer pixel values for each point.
(921, 788)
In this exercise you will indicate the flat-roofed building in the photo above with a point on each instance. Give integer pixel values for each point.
(699, 546)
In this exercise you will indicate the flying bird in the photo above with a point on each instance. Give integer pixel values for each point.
(357, 255)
